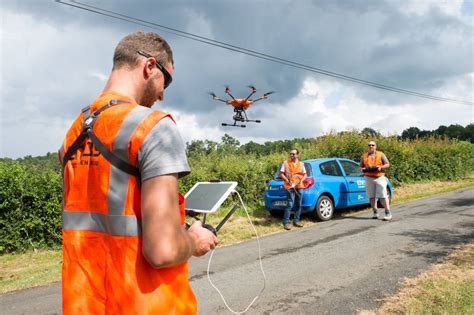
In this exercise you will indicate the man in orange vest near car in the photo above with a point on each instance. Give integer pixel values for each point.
(125, 245)
(293, 174)
(373, 163)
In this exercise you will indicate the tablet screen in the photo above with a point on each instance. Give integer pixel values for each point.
(208, 196)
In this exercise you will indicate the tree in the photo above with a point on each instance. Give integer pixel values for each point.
(369, 132)
(196, 147)
(410, 133)
(468, 133)
(441, 131)
(228, 144)
(455, 131)
(252, 147)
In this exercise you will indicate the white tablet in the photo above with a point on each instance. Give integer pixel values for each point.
(208, 196)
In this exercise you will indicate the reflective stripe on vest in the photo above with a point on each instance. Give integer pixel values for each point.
(117, 225)
(116, 222)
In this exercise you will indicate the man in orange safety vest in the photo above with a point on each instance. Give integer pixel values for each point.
(374, 163)
(293, 174)
(125, 245)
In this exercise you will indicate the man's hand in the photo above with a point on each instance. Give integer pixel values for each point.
(292, 185)
(204, 239)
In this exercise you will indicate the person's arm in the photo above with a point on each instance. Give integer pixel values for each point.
(361, 164)
(385, 162)
(282, 174)
(165, 241)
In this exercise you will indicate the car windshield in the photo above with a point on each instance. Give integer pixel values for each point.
(307, 166)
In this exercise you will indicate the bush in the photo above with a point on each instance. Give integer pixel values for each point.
(30, 188)
(30, 207)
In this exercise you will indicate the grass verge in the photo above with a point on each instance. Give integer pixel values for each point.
(34, 268)
(448, 288)
(20, 271)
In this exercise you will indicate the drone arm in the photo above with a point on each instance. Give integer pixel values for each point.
(252, 93)
(227, 91)
(264, 96)
(260, 98)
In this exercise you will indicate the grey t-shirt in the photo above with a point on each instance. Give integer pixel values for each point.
(163, 152)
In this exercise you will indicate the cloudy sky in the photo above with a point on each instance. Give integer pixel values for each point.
(55, 59)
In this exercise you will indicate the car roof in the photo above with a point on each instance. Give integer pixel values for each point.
(322, 160)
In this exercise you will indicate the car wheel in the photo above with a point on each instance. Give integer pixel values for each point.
(379, 203)
(324, 210)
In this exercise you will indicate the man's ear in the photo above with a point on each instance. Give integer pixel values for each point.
(148, 68)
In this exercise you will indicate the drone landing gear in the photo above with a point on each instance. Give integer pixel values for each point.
(234, 125)
(240, 116)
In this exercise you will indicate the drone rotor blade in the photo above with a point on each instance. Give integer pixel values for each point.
(253, 90)
(268, 93)
(228, 91)
(215, 97)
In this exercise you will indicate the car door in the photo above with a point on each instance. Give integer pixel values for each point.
(355, 182)
(333, 182)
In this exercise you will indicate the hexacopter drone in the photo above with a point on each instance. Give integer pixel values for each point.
(240, 105)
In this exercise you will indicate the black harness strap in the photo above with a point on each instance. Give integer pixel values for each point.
(88, 131)
(111, 157)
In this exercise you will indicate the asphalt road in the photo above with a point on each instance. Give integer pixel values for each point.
(336, 267)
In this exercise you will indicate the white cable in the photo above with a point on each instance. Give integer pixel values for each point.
(260, 260)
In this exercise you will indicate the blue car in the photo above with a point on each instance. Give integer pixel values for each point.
(332, 183)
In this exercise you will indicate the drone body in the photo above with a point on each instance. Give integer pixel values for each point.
(240, 106)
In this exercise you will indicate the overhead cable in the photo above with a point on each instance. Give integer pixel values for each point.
(253, 53)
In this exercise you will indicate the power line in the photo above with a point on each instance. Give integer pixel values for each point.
(253, 53)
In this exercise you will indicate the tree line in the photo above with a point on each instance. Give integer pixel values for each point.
(451, 132)
(31, 187)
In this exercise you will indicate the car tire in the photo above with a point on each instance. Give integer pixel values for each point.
(324, 210)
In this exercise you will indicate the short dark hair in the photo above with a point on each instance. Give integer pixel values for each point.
(297, 152)
(126, 51)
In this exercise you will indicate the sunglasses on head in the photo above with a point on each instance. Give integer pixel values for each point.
(166, 74)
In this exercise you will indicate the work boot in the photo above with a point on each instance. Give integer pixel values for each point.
(388, 215)
(375, 215)
(287, 227)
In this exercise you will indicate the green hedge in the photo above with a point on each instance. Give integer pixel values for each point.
(30, 189)
(30, 207)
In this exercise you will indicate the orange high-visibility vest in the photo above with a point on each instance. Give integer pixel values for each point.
(104, 270)
(373, 162)
(294, 172)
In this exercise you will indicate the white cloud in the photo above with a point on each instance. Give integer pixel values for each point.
(55, 59)
(420, 7)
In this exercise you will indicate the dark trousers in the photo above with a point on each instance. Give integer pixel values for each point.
(296, 200)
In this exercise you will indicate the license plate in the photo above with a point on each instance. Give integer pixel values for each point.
(280, 203)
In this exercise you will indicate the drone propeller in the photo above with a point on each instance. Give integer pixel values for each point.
(228, 91)
(268, 93)
(215, 97)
